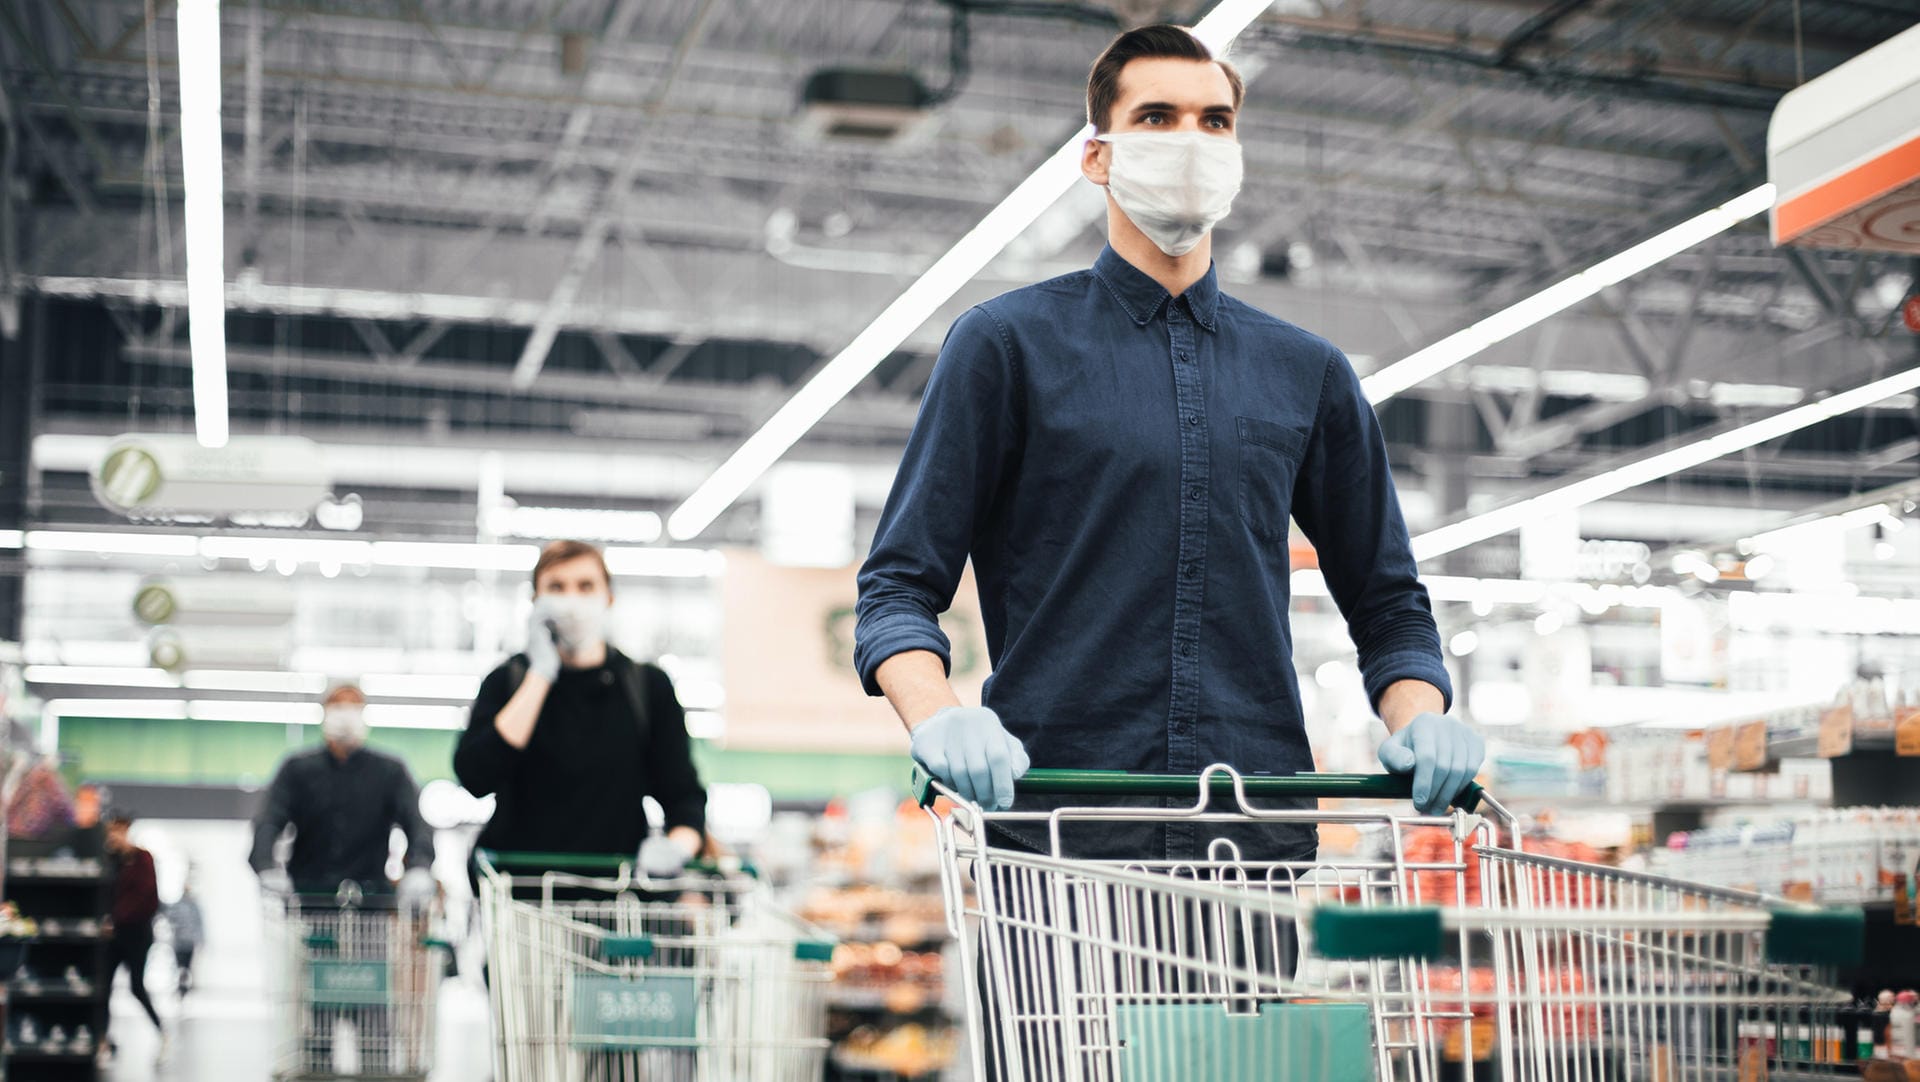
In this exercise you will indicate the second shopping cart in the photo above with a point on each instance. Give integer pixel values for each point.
(599, 973)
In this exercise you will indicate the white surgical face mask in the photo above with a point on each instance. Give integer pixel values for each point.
(577, 620)
(1173, 185)
(345, 725)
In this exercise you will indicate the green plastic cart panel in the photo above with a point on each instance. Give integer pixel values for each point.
(634, 1012)
(335, 982)
(1322, 1042)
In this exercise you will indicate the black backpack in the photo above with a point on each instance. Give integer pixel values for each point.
(630, 673)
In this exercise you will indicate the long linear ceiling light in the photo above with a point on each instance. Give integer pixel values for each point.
(1426, 363)
(911, 308)
(440, 555)
(198, 22)
(1570, 497)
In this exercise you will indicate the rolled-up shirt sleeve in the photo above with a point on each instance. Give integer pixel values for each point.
(1345, 501)
(962, 446)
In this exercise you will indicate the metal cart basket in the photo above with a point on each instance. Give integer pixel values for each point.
(1475, 960)
(596, 973)
(355, 991)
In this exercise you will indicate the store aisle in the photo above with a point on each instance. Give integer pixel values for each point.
(224, 1028)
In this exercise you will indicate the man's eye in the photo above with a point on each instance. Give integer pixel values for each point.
(1153, 118)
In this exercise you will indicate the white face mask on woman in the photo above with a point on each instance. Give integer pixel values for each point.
(578, 620)
(1174, 185)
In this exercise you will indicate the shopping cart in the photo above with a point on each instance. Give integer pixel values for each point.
(356, 985)
(1397, 966)
(598, 973)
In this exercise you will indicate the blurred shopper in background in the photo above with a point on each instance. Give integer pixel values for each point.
(136, 900)
(343, 800)
(188, 931)
(570, 735)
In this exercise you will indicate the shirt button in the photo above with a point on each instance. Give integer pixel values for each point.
(1187, 571)
(1193, 494)
(1193, 418)
(1186, 649)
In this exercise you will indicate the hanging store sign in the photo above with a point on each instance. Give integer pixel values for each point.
(218, 600)
(251, 478)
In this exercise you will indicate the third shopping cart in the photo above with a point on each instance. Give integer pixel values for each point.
(1467, 958)
(597, 972)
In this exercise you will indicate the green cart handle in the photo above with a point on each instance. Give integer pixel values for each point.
(505, 860)
(1122, 783)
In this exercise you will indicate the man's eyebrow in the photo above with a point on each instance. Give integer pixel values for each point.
(1169, 107)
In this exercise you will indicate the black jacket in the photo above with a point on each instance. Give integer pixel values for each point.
(577, 785)
(342, 814)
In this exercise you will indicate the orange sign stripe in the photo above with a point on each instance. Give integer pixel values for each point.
(1843, 193)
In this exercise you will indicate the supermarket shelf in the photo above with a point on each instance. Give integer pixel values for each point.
(1588, 802)
(1807, 746)
(51, 994)
(37, 1055)
(880, 999)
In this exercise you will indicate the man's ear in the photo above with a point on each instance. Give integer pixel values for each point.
(1094, 158)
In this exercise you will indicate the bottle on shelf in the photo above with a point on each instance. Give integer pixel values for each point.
(1882, 1026)
(1900, 1032)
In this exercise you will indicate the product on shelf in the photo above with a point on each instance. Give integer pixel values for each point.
(910, 1049)
(867, 913)
(1836, 856)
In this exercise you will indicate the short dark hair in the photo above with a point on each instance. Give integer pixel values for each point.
(559, 552)
(1162, 40)
(119, 817)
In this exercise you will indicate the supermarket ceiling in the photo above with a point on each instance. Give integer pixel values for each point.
(418, 189)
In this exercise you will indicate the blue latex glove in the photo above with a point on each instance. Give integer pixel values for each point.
(967, 748)
(1441, 753)
(543, 650)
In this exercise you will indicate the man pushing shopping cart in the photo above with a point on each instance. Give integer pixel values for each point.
(1120, 453)
(356, 978)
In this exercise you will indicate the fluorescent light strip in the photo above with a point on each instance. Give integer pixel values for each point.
(283, 683)
(1307, 583)
(1654, 467)
(12, 539)
(878, 341)
(444, 555)
(117, 544)
(155, 709)
(1424, 364)
(911, 308)
(1771, 540)
(581, 523)
(100, 676)
(420, 685)
(271, 713)
(201, 153)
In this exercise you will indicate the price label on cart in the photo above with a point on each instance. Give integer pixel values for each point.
(1836, 732)
(624, 1012)
(338, 982)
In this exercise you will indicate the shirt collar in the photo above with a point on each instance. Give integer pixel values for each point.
(1142, 297)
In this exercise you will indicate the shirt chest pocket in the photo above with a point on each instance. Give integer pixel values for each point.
(1269, 462)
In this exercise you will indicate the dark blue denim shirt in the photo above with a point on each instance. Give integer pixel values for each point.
(1121, 466)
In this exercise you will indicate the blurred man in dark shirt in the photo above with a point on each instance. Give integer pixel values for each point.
(343, 800)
